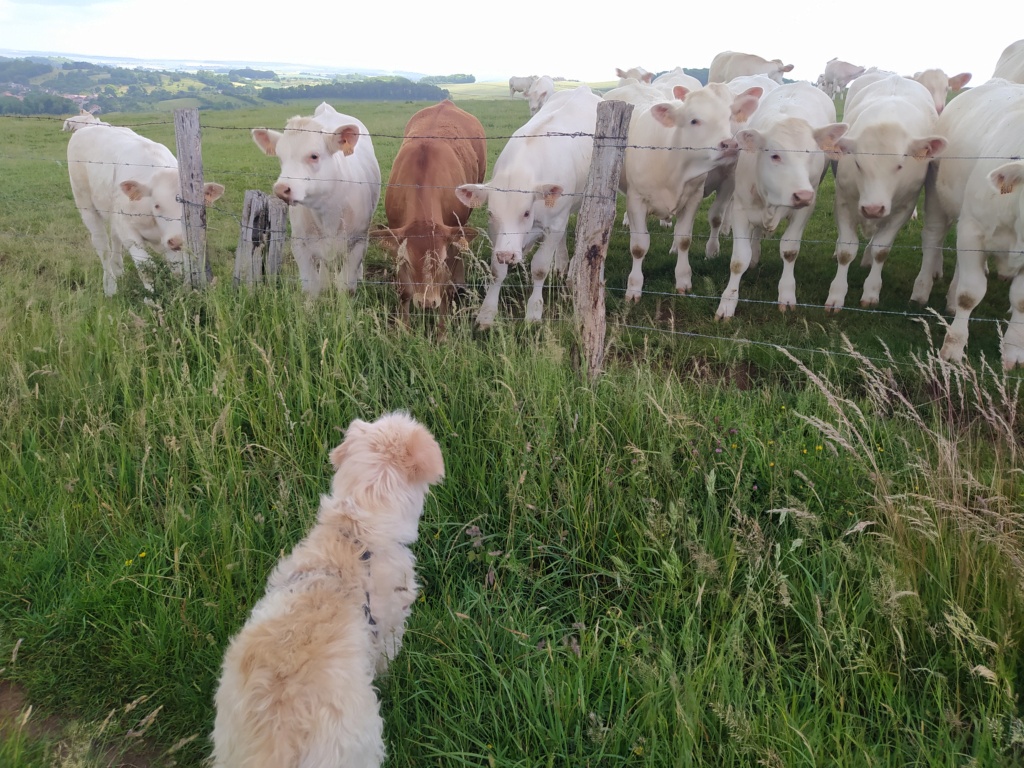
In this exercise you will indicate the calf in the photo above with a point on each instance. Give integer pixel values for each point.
(782, 160)
(331, 181)
(881, 170)
(731, 64)
(671, 148)
(127, 189)
(634, 73)
(539, 92)
(979, 184)
(538, 181)
(940, 85)
(443, 148)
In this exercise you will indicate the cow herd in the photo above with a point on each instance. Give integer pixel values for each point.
(760, 144)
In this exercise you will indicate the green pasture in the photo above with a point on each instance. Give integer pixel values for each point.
(791, 539)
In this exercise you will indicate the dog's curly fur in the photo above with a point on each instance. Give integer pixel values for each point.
(296, 689)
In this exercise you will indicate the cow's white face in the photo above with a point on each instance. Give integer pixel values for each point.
(158, 210)
(309, 170)
(514, 217)
(788, 160)
(887, 166)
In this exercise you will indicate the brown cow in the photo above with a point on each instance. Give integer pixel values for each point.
(443, 147)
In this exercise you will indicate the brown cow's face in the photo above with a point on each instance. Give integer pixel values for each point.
(429, 262)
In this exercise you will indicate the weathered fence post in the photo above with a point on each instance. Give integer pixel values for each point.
(594, 227)
(190, 171)
(261, 241)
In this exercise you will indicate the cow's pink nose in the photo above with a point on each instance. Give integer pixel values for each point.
(174, 243)
(802, 198)
(283, 191)
(872, 211)
(729, 146)
(508, 257)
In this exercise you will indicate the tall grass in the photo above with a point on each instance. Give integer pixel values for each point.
(718, 554)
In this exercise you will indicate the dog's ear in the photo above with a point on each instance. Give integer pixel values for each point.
(423, 462)
(340, 452)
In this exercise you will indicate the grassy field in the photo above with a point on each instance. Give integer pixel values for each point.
(788, 540)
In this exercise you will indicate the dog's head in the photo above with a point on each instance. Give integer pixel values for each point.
(386, 467)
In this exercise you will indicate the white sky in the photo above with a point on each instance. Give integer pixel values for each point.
(493, 40)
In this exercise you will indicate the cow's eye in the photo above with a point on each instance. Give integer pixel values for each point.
(314, 157)
(526, 215)
(776, 157)
(899, 167)
(695, 121)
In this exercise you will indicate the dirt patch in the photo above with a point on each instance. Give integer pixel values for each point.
(14, 705)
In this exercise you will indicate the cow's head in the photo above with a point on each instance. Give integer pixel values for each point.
(429, 260)
(159, 210)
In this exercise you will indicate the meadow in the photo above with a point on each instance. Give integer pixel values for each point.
(791, 539)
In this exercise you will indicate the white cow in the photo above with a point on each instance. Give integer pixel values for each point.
(540, 92)
(637, 92)
(782, 160)
(538, 181)
(884, 158)
(127, 189)
(839, 74)
(730, 64)
(940, 85)
(1011, 63)
(635, 73)
(978, 183)
(81, 120)
(331, 181)
(520, 84)
(671, 148)
(721, 180)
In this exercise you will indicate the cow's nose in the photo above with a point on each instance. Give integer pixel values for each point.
(174, 243)
(283, 191)
(802, 198)
(508, 257)
(729, 146)
(872, 211)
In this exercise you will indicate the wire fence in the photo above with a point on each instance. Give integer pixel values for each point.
(478, 284)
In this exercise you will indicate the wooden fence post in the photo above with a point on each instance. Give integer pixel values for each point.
(261, 241)
(190, 171)
(594, 228)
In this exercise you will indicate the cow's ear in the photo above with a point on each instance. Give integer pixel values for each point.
(344, 139)
(750, 140)
(680, 92)
(212, 191)
(385, 237)
(846, 147)
(134, 190)
(550, 194)
(927, 148)
(827, 137)
(664, 114)
(472, 195)
(744, 105)
(619, 72)
(1006, 178)
(956, 82)
(788, 68)
(461, 237)
(647, 77)
(266, 140)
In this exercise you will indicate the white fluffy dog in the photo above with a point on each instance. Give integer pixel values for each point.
(296, 690)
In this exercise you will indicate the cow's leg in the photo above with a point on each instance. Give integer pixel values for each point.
(743, 236)
(1013, 339)
(971, 286)
(683, 236)
(789, 248)
(936, 225)
(718, 214)
(540, 265)
(847, 245)
(878, 248)
(561, 261)
(639, 244)
(352, 265)
(107, 246)
(489, 309)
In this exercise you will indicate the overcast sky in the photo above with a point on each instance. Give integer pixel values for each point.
(493, 40)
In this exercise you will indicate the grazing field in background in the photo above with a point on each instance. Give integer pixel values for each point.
(721, 553)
